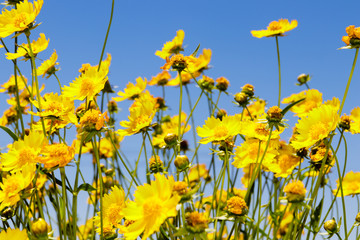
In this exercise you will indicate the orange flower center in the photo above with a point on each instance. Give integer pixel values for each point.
(274, 26)
(318, 131)
(151, 209)
(87, 86)
(55, 106)
(26, 155)
(220, 132)
(114, 213)
(20, 20)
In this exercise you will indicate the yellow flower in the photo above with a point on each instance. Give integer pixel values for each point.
(153, 204)
(353, 37)
(20, 18)
(248, 153)
(10, 86)
(179, 62)
(132, 91)
(23, 152)
(316, 126)
(216, 130)
(12, 185)
(93, 119)
(256, 109)
(48, 66)
(295, 191)
(198, 171)
(10, 116)
(173, 47)
(185, 78)
(57, 154)
(113, 204)
(87, 85)
(197, 222)
(350, 184)
(201, 63)
(236, 205)
(56, 106)
(142, 112)
(276, 28)
(259, 130)
(285, 162)
(313, 99)
(355, 120)
(14, 234)
(36, 46)
(161, 79)
(222, 83)
(85, 230)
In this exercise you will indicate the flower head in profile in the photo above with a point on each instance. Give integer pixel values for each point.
(352, 40)
(48, 66)
(12, 185)
(87, 85)
(355, 121)
(161, 79)
(24, 51)
(313, 99)
(56, 154)
(132, 91)
(295, 191)
(20, 18)
(173, 47)
(350, 184)
(179, 62)
(10, 85)
(142, 112)
(14, 234)
(197, 172)
(236, 205)
(153, 204)
(93, 119)
(316, 126)
(276, 28)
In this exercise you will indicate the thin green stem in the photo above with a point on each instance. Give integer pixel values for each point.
(278, 56)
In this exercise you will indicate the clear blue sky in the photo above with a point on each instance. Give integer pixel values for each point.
(77, 28)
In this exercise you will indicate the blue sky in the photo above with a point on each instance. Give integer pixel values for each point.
(77, 28)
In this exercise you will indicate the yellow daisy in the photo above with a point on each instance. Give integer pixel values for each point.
(295, 191)
(153, 204)
(48, 66)
(36, 46)
(132, 91)
(23, 152)
(355, 120)
(275, 28)
(316, 126)
(14, 234)
(216, 130)
(201, 63)
(313, 99)
(87, 85)
(259, 130)
(113, 204)
(353, 36)
(350, 184)
(12, 185)
(10, 85)
(185, 78)
(248, 153)
(173, 47)
(142, 112)
(93, 119)
(161, 79)
(56, 154)
(198, 171)
(20, 18)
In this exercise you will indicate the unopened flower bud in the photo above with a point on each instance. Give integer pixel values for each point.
(39, 228)
(357, 218)
(222, 84)
(295, 191)
(274, 114)
(330, 226)
(345, 122)
(184, 145)
(181, 162)
(248, 89)
(303, 78)
(160, 102)
(206, 83)
(236, 205)
(7, 213)
(156, 165)
(112, 107)
(170, 139)
(241, 98)
(109, 172)
(221, 113)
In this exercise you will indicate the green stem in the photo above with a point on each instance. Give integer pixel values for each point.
(349, 81)
(278, 56)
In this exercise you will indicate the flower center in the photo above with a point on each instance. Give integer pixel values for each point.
(220, 132)
(318, 131)
(26, 155)
(87, 86)
(55, 106)
(274, 26)
(151, 209)
(20, 21)
(113, 213)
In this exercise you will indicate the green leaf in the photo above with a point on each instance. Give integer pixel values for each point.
(290, 106)
(8, 131)
(86, 187)
(196, 51)
(315, 216)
